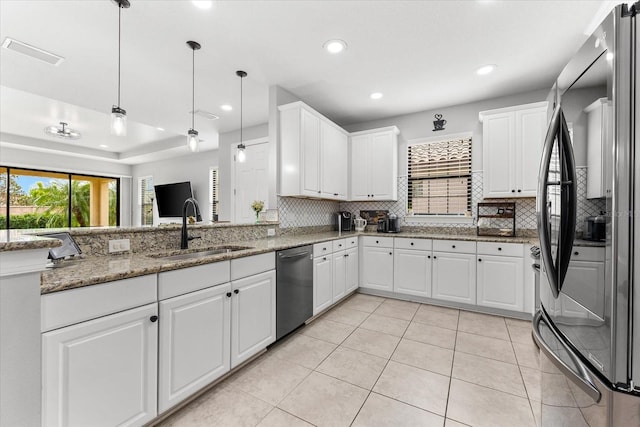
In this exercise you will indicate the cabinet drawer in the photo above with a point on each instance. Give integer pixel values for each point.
(457, 246)
(324, 248)
(339, 245)
(496, 248)
(383, 242)
(352, 242)
(78, 305)
(421, 244)
(183, 281)
(587, 253)
(248, 266)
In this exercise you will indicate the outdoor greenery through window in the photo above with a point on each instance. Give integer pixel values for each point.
(440, 177)
(42, 199)
(145, 200)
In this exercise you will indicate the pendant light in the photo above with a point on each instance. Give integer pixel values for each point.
(62, 132)
(242, 156)
(192, 135)
(119, 115)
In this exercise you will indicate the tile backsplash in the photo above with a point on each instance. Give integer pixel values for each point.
(296, 212)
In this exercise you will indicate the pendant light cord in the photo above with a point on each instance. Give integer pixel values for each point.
(119, 37)
(193, 88)
(241, 110)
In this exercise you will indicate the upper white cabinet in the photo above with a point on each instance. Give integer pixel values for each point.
(374, 164)
(313, 154)
(599, 151)
(512, 140)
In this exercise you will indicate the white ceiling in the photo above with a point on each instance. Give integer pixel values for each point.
(420, 54)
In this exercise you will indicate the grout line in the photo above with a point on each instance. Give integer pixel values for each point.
(453, 360)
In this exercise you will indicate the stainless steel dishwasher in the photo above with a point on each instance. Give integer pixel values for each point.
(294, 289)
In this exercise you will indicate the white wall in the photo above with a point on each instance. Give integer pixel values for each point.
(192, 167)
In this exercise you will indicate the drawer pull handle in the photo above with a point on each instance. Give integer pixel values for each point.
(236, 291)
(411, 243)
(499, 249)
(453, 246)
(377, 241)
(154, 319)
(228, 294)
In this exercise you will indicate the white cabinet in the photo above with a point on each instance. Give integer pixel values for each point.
(512, 140)
(339, 260)
(322, 283)
(253, 315)
(351, 280)
(454, 277)
(102, 372)
(374, 164)
(377, 268)
(500, 282)
(195, 342)
(599, 152)
(412, 272)
(313, 161)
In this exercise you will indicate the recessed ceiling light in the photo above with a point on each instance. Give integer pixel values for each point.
(103, 146)
(486, 69)
(335, 46)
(375, 95)
(202, 4)
(226, 107)
(160, 129)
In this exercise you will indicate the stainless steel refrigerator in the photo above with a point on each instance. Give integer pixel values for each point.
(588, 324)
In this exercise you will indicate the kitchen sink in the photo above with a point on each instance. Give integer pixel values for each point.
(201, 253)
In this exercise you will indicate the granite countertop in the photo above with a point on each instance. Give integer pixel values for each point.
(14, 240)
(79, 272)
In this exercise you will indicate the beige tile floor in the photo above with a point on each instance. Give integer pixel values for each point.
(381, 362)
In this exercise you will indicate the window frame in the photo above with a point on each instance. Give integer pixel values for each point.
(70, 178)
(440, 217)
(214, 202)
(140, 204)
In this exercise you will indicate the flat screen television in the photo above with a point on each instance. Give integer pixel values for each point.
(171, 197)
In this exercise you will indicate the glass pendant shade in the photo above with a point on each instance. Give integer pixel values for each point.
(192, 140)
(242, 156)
(118, 121)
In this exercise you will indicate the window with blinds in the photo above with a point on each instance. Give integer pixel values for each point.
(145, 200)
(440, 177)
(213, 193)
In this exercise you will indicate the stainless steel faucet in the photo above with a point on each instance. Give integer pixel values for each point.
(184, 237)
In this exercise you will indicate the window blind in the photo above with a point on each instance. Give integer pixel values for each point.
(145, 200)
(440, 177)
(213, 180)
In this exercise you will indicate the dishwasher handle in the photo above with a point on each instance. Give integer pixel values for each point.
(298, 255)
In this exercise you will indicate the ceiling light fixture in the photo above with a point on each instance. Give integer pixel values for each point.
(103, 146)
(119, 115)
(486, 69)
(192, 134)
(202, 4)
(226, 107)
(376, 95)
(242, 156)
(160, 129)
(335, 46)
(62, 132)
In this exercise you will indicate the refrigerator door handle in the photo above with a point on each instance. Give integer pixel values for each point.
(542, 208)
(582, 378)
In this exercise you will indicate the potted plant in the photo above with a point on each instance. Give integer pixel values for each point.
(257, 206)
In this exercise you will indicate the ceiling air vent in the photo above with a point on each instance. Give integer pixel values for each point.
(31, 51)
(205, 114)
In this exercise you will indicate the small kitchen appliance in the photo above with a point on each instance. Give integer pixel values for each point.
(343, 221)
(360, 223)
(393, 224)
(595, 228)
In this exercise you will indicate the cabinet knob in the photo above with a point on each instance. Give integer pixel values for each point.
(377, 241)
(324, 259)
(479, 259)
(236, 291)
(318, 191)
(346, 255)
(340, 245)
(513, 191)
(324, 249)
(429, 256)
(453, 246)
(434, 257)
(228, 294)
(576, 253)
(335, 194)
(519, 191)
(390, 253)
(153, 318)
(499, 249)
(411, 243)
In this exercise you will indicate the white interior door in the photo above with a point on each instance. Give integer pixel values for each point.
(251, 182)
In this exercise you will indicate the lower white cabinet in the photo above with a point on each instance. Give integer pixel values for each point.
(412, 272)
(454, 277)
(322, 283)
(500, 282)
(351, 269)
(253, 315)
(339, 274)
(377, 268)
(195, 343)
(102, 372)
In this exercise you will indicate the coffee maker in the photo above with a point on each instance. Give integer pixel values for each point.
(343, 220)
